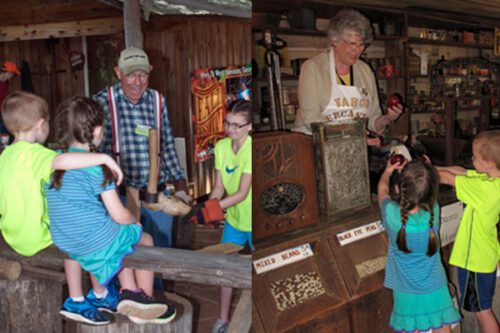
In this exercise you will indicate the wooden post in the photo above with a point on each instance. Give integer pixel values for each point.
(242, 317)
(132, 23)
(132, 202)
(31, 304)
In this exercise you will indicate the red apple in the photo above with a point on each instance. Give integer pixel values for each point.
(393, 100)
(397, 159)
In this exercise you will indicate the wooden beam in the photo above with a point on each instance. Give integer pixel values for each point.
(132, 23)
(60, 30)
(216, 8)
(174, 264)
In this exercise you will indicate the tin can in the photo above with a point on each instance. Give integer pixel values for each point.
(286, 96)
(290, 113)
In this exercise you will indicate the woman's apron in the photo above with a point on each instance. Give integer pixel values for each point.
(346, 102)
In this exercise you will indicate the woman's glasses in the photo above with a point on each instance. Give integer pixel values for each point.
(234, 125)
(354, 45)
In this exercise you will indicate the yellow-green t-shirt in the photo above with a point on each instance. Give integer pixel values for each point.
(24, 220)
(231, 167)
(476, 245)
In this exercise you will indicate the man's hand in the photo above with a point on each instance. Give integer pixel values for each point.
(171, 205)
(184, 196)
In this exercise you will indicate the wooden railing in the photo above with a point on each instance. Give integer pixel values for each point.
(173, 264)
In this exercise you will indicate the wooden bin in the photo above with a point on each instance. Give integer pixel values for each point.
(341, 166)
(362, 266)
(305, 296)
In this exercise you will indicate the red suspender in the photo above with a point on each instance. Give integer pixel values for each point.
(158, 125)
(115, 122)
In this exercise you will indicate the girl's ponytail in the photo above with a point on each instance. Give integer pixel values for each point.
(433, 243)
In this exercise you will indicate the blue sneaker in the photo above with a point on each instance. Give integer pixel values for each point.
(107, 303)
(83, 312)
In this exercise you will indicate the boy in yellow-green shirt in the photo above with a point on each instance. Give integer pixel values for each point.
(476, 251)
(25, 166)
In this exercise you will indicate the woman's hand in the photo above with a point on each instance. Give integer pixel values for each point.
(394, 112)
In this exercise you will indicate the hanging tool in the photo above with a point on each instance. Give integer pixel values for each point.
(274, 81)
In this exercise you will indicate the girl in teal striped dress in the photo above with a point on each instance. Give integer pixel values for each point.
(414, 270)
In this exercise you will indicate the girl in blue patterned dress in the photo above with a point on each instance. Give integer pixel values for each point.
(414, 270)
(89, 222)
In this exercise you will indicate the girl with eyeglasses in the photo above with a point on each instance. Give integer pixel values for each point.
(233, 189)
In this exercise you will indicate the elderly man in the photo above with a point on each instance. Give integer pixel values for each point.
(131, 109)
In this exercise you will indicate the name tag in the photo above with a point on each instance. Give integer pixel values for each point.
(142, 130)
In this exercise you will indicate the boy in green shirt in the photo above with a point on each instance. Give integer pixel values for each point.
(25, 166)
(476, 250)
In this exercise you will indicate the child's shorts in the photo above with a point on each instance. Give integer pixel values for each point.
(235, 236)
(476, 289)
(107, 262)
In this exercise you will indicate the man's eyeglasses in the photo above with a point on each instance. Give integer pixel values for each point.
(141, 76)
(354, 45)
(234, 125)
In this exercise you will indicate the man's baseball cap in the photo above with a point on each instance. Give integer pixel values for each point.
(133, 59)
(11, 67)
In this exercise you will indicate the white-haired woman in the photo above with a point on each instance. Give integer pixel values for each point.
(336, 85)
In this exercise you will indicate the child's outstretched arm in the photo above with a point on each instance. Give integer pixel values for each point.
(446, 177)
(119, 213)
(454, 169)
(68, 161)
(383, 191)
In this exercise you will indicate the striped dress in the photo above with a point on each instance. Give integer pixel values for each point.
(420, 290)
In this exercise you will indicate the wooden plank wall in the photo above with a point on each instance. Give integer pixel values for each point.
(178, 45)
(51, 73)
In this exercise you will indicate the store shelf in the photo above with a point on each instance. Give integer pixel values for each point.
(414, 40)
(290, 31)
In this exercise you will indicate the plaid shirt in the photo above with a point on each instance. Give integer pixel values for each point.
(134, 148)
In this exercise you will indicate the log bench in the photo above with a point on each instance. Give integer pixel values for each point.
(32, 302)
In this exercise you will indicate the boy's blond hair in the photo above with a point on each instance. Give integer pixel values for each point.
(21, 110)
(489, 146)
